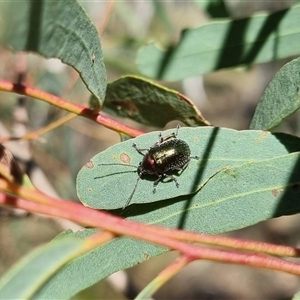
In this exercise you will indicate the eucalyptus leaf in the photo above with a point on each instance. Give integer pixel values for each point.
(217, 148)
(57, 29)
(236, 197)
(223, 44)
(281, 98)
(31, 273)
(95, 265)
(149, 103)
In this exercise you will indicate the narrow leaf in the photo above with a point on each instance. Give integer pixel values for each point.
(281, 98)
(239, 196)
(30, 274)
(217, 148)
(149, 103)
(96, 265)
(59, 29)
(236, 197)
(223, 44)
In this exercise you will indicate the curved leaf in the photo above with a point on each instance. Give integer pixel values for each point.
(59, 29)
(237, 196)
(149, 103)
(222, 44)
(94, 266)
(281, 98)
(31, 273)
(218, 148)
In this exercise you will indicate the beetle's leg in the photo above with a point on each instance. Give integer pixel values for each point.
(138, 149)
(177, 130)
(160, 138)
(170, 136)
(195, 157)
(155, 183)
(160, 177)
(173, 178)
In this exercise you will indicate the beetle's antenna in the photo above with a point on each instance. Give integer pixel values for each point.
(118, 164)
(130, 197)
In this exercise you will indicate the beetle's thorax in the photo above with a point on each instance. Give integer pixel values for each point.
(147, 166)
(163, 157)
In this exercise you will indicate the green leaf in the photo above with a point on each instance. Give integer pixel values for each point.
(59, 29)
(34, 270)
(237, 196)
(222, 44)
(149, 103)
(218, 148)
(96, 265)
(281, 98)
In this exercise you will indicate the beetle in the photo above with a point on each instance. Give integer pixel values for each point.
(166, 156)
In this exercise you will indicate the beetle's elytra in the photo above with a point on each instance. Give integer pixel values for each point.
(165, 157)
(169, 155)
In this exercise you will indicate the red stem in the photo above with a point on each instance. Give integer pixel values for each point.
(69, 106)
(89, 217)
